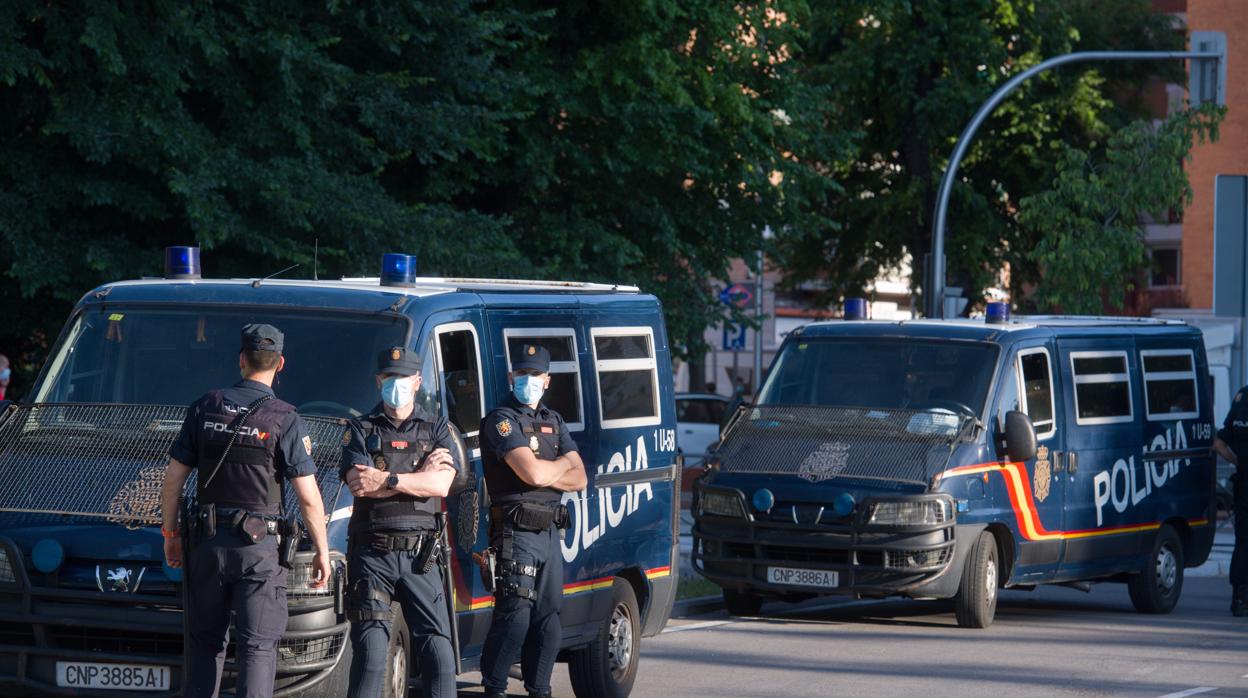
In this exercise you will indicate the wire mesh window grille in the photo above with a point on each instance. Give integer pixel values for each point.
(822, 443)
(108, 461)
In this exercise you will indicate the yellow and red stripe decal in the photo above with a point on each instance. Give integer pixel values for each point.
(481, 602)
(1018, 486)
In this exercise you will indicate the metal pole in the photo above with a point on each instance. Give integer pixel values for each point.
(935, 295)
(758, 335)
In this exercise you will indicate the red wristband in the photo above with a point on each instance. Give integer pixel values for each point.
(167, 533)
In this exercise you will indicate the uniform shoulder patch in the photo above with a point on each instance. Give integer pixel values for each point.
(307, 444)
(346, 436)
(1239, 396)
(504, 428)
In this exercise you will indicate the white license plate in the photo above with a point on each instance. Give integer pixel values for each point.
(116, 677)
(803, 578)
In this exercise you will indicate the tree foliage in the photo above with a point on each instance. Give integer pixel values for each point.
(1089, 223)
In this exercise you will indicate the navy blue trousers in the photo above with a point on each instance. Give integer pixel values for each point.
(521, 627)
(422, 598)
(228, 574)
(1239, 558)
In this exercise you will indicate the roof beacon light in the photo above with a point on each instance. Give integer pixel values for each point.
(856, 308)
(997, 313)
(398, 269)
(181, 262)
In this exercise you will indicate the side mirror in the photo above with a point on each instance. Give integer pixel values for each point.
(1020, 437)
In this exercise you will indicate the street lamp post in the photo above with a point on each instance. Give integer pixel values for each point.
(1209, 87)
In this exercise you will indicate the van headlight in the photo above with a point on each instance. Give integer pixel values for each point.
(299, 579)
(721, 503)
(921, 512)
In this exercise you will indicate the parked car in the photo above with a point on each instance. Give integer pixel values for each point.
(698, 416)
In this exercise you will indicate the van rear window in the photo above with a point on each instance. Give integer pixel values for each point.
(1102, 387)
(1169, 384)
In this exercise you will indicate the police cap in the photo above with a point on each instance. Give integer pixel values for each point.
(399, 361)
(532, 357)
(262, 338)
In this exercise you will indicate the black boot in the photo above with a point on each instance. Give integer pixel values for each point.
(1239, 600)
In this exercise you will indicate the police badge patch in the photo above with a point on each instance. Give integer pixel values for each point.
(533, 444)
(504, 428)
(346, 436)
(1043, 474)
(307, 444)
(395, 354)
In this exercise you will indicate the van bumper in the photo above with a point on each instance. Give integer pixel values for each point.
(870, 560)
(43, 625)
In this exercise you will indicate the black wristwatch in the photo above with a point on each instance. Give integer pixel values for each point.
(392, 481)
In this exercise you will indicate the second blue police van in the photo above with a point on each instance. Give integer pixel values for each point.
(949, 459)
(87, 605)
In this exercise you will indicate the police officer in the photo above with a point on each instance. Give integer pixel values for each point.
(1232, 444)
(243, 441)
(530, 460)
(398, 462)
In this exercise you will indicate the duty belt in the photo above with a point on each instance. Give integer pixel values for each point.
(392, 541)
(272, 523)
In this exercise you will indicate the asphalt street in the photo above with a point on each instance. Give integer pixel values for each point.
(1053, 641)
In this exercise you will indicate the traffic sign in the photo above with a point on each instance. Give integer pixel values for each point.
(739, 295)
(734, 337)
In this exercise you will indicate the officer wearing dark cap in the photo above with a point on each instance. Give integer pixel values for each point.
(398, 463)
(244, 442)
(530, 460)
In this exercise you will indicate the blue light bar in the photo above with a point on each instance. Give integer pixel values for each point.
(398, 269)
(856, 308)
(181, 262)
(998, 313)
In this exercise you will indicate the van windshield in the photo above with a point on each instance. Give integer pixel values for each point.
(883, 373)
(172, 356)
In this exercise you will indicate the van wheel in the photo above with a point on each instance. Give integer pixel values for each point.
(1157, 587)
(976, 602)
(608, 666)
(742, 603)
(397, 654)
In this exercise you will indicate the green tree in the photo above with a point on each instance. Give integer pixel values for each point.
(1089, 223)
(909, 74)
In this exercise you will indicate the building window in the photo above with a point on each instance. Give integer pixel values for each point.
(1164, 267)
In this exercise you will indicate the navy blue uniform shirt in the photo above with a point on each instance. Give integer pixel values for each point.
(504, 429)
(294, 447)
(354, 450)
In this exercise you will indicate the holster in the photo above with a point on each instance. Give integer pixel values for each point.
(487, 563)
(427, 556)
(291, 531)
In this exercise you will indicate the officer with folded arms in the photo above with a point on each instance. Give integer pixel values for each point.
(243, 442)
(398, 463)
(530, 460)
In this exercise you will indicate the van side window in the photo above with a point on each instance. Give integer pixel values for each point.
(1037, 390)
(564, 394)
(1102, 387)
(461, 376)
(628, 376)
(1169, 384)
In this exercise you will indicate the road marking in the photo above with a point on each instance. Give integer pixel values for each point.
(1190, 692)
(698, 626)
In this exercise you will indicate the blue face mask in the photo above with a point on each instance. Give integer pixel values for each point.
(396, 392)
(5, 373)
(528, 389)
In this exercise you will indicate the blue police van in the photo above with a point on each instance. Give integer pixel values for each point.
(949, 459)
(87, 606)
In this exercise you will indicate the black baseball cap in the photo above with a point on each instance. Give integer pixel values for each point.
(532, 357)
(398, 360)
(262, 338)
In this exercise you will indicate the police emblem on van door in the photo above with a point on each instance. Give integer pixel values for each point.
(826, 462)
(1043, 475)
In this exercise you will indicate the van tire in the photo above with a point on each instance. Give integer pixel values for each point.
(975, 604)
(1157, 587)
(398, 656)
(742, 603)
(607, 668)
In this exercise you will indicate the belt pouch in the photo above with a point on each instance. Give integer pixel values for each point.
(532, 517)
(207, 518)
(253, 528)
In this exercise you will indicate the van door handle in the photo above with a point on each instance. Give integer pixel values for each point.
(1059, 461)
(1072, 462)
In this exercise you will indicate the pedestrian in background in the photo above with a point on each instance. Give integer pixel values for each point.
(5, 374)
